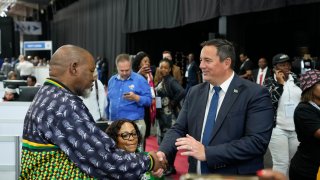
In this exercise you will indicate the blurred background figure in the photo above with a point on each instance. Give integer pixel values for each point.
(6, 67)
(261, 73)
(96, 101)
(171, 93)
(305, 163)
(32, 81)
(245, 70)
(142, 64)
(25, 67)
(192, 72)
(12, 75)
(10, 94)
(176, 72)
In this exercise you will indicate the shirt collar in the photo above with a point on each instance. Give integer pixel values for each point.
(56, 83)
(225, 85)
(119, 78)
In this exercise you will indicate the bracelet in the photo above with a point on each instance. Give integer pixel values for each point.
(151, 162)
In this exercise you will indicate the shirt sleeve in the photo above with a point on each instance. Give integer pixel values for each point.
(144, 93)
(72, 128)
(306, 120)
(275, 90)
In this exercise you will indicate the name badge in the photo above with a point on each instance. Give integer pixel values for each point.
(289, 109)
(158, 102)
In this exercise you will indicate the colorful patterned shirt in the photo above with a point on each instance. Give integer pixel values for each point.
(61, 141)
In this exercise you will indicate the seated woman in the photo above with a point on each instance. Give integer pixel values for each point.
(10, 94)
(127, 137)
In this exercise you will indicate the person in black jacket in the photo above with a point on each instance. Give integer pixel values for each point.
(171, 93)
(305, 163)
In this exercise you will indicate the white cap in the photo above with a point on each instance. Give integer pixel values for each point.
(10, 90)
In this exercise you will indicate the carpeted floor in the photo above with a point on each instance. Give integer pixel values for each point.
(181, 162)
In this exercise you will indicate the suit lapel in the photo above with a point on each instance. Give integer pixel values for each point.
(232, 94)
(203, 97)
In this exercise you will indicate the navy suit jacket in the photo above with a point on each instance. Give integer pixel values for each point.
(240, 135)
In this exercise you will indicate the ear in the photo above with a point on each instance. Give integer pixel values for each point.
(73, 68)
(227, 62)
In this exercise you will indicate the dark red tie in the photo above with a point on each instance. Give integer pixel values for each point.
(260, 78)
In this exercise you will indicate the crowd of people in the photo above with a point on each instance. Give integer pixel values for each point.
(223, 121)
(19, 69)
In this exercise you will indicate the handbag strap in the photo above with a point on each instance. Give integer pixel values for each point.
(97, 96)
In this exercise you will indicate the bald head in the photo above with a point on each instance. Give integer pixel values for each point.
(64, 56)
(70, 64)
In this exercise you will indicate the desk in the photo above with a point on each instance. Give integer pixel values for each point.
(1, 90)
(12, 117)
(11, 128)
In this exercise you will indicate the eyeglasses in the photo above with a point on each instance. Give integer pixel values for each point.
(126, 135)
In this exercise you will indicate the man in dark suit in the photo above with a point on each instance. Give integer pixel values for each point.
(192, 72)
(261, 73)
(243, 123)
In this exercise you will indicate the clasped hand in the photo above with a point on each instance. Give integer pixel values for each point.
(189, 146)
(159, 166)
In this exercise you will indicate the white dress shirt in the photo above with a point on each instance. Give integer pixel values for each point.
(224, 87)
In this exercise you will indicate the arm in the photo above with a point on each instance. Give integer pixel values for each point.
(247, 75)
(91, 149)
(275, 90)
(143, 97)
(306, 120)
(157, 77)
(248, 68)
(177, 74)
(177, 92)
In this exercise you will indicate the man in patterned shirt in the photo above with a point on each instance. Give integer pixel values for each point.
(60, 138)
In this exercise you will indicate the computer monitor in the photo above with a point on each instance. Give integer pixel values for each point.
(14, 83)
(27, 93)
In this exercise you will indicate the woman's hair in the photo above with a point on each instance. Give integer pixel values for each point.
(137, 60)
(170, 64)
(307, 95)
(114, 128)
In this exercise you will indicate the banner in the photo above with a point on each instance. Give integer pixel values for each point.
(28, 27)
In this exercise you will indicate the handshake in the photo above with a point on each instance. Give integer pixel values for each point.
(160, 163)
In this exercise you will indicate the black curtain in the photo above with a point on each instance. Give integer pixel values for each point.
(101, 26)
(143, 15)
(95, 25)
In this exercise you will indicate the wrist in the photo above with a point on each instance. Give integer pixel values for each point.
(151, 162)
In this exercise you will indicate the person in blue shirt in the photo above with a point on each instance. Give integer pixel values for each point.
(128, 94)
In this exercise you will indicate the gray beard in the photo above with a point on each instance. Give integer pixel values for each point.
(86, 93)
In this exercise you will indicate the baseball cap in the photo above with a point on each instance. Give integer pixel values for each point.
(279, 58)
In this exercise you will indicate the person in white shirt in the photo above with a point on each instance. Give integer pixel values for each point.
(284, 88)
(25, 68)
(96, 101)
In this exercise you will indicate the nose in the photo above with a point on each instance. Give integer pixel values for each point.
(201, 65)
